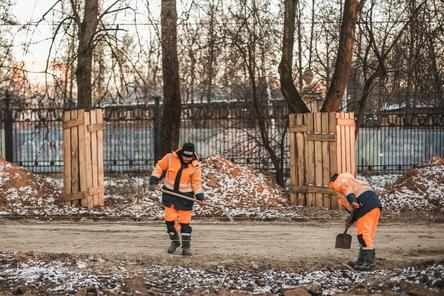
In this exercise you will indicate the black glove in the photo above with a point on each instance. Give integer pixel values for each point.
(153, 187)
(152, 183)
(200, 197)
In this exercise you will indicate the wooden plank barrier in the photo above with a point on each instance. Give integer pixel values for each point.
(83, 158)
(320, 144)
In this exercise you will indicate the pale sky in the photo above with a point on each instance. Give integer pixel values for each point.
(35, 56)
(28, 11)
(31, 11)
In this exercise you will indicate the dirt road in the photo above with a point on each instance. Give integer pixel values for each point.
(264, 242)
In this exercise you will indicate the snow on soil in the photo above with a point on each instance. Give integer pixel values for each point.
(421, 189)
(60, 276)
(241, 190)
(23, 192)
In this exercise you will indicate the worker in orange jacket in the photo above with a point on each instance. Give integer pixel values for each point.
(364, 206)
(182, 172)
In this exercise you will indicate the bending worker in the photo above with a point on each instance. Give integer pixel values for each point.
(182, 175)
(364, 206)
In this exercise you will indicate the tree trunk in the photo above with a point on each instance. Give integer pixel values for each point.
(310, 50)
(437, 82)
(294, 100)
(172, 107)
(211, 52)
(261, 120)
(344, 58)
(85, 49)
(300, 78)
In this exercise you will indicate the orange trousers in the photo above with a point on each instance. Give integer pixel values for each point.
(366, 228)
(178, 216)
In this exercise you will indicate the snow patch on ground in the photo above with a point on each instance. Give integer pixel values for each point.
(67, 276)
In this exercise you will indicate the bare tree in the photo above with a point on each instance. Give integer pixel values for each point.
(172, 105)
(213, 7)
(434, 60)
(294, 100)
(253, 42)
(6, 18)
(374, 66)
(88, 27)
(344, 57)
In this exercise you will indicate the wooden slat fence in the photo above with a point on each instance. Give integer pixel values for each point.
(83, 158)
(320, 145)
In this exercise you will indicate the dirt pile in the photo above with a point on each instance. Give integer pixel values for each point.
(419, 190)
(244, 192)
(240, 190)
(20, 190)
(247, 193)
(239, 186)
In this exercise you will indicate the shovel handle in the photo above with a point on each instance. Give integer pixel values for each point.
(196, 200)
(183, 196)
(349, 219)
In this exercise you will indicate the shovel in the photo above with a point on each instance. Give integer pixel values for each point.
(195, 200)
(343, 240)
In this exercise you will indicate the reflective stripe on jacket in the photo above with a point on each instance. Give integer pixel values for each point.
(190, 175)
(180, 178)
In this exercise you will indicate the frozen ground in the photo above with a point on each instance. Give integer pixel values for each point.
(272, 248)
(251, 258)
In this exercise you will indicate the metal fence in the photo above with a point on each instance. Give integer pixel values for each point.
(394, 142)
(33, 138)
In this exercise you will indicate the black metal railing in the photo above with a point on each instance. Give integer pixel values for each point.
(394, 142)
(387, 142)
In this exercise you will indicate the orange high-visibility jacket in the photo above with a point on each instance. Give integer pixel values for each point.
(345, 184)
(351, 189)
(190, 177)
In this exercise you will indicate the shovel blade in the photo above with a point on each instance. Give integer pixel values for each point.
(343, 241)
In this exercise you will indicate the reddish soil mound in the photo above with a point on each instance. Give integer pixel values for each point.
(240, 186)
(21, 189)
(420, 189)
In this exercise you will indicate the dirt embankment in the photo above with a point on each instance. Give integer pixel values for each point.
(244, 192)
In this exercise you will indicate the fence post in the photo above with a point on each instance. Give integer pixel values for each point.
(156, 139)
(9, 140)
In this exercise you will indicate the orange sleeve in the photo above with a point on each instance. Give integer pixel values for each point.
(196, 179)
(342, 201)
(341, 187)
(161, 166)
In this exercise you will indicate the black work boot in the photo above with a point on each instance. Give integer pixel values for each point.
(358, 260)
(368, 260)
(186, 245)
(175, 243)
(373, 258)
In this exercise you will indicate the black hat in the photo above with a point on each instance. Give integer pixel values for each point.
(334, 177)
(188, 149)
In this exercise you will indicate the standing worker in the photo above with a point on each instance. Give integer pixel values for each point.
(182, 175)
(364, 206)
